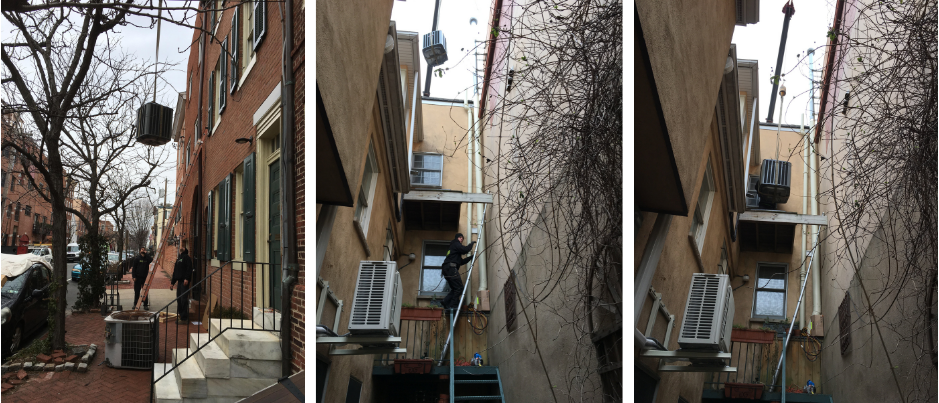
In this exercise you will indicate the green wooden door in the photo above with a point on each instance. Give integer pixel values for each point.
(274, 237)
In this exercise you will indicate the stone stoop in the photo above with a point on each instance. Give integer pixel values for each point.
(235, 365)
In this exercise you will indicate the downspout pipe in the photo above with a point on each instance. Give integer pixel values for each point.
(469, 163)
(813, 199)
(805, 210)
(287, 191)
(788, 10)
(480, 215)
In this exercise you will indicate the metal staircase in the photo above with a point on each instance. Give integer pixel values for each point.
(477, 379)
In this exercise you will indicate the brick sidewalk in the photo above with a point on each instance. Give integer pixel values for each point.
(100, 383)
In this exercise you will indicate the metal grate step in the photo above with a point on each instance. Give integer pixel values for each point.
(477, 398)
(476, 381)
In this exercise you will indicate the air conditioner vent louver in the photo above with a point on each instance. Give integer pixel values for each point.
(435, 48)
(747, 12)
(775, 181)
(709, 312)
(154, 124)
(129, 340)
(377, 300)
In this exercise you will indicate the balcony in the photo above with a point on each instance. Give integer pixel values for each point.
(424, 340)
(756, 364)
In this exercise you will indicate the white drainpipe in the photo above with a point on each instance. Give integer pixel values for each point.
(805, 210)
(469, 165)
(816, 277)
(477, 152)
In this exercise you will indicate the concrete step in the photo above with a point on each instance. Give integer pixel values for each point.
(238, 387)
(189, 376)
(245, 344)
(244, 368)
(167, 389)
(211, 359)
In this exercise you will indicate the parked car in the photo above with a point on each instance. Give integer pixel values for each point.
(25, 291)
(112, 261)
(44, 253)
(72, 253)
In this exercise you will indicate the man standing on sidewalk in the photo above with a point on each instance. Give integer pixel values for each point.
(140, 271)
(182, 272)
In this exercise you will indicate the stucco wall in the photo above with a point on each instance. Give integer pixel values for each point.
(688, 69)
(350, 40)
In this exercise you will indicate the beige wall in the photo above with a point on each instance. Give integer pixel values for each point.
(688, 68)
(350, 40)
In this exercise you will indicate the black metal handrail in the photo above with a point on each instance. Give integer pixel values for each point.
(154, 319)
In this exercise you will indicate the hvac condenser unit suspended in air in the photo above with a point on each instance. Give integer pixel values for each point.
(775, 181)
(435, 48)
(376, 305)
(129, 340)
(154, 124)
(709, 314)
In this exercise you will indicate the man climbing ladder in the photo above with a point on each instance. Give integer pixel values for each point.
(451, 270)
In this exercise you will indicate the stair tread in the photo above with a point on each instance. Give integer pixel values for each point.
(166, 389)
(210, 350)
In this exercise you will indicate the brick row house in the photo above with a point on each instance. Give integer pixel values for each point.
(238, 130)
(27, 217)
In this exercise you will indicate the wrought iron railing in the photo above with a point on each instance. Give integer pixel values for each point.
(247, 271)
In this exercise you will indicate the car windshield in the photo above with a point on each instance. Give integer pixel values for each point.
(37, 252)
(113, 257)
(73, 248)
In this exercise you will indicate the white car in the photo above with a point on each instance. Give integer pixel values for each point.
(72, 253)
(44, 253)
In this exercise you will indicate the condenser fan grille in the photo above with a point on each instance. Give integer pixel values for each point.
(702, 306)
(370, 291)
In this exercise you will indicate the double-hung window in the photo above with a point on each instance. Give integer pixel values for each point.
(769, 297)
(427, 170)
(702, 208)
(363, 206)
(432, 281)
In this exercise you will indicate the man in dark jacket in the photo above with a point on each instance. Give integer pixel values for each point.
(139, 272)
(182, 273)
(451, 270)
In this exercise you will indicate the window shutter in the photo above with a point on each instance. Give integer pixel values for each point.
(208, 228)
(211, 120)
(224, 219)
(260, 22)
(249, 207)
(223, 78)
(236, 43)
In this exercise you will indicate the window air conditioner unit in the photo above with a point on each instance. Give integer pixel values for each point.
(435, 48)
(774, 181)
(129, 340)
(748, 12)
(709, 314)
(376, 305)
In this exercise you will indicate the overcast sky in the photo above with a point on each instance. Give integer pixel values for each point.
(807, 29)
(454, 21)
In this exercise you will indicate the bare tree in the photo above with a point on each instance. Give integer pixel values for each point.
(138, 221)
(77, 90)
(554, 164)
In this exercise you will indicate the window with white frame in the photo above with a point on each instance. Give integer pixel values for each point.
(363, 206)
(769, 296)
(427, 170)
(702, 209)
(432, 282)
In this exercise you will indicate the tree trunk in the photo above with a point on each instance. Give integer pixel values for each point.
(59, 263)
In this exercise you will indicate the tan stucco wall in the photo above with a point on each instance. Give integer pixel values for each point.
(346, 250)
(688, 68)
(350, 40)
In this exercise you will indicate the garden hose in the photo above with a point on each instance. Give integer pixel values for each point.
(478, 321)
(812, 341)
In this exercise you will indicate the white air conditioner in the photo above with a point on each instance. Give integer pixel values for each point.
(128, 340)
(709, 314)
(376, 305)
(748, 12)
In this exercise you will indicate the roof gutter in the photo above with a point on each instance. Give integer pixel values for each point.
(490, 53)
(829, 65)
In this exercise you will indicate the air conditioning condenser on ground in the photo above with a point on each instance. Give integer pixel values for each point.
(129, 340)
